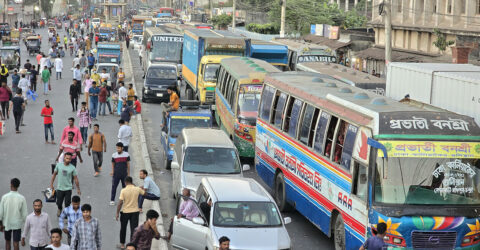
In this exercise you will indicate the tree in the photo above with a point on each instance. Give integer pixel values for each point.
(441, 43)
(46, 7)
(222, 21)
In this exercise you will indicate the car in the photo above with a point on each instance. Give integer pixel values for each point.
(203, 151)
(158, 78)
(238, 208)
(137, 42)
(190, 114)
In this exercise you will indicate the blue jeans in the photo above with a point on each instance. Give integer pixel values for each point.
(84, 132)
(115, 180)
(101, 109)
(45, 87)
(147, 196)
(59, 75)
(119, 107)
(47, 128)
(93, 108)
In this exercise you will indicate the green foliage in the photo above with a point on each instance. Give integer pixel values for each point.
(441, 43)
(354, 20)
(268, 28)
(222, 21)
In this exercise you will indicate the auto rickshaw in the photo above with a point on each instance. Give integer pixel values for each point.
(15, 36)
(10, 56)
(33, 44)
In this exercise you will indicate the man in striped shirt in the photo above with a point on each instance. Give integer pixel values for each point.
(86, 233)
(72, 213)
(70, 146)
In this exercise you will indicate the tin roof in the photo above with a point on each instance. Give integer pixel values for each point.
(245, 67)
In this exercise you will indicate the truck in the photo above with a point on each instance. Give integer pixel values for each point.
(105, 32)
(454, 87)
(305, 52)
(275, 54)
(137, 24)
(202, 51)
(109, 53)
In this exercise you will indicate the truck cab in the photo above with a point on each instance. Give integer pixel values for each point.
(190, 114)
(109, 53)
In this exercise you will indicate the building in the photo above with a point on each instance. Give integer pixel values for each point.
(114, 10)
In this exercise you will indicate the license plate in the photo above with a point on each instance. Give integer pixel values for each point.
(159, 95)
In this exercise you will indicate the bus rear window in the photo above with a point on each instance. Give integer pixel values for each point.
(266, 103)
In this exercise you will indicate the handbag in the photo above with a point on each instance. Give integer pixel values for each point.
(49, 87)
(50, 195)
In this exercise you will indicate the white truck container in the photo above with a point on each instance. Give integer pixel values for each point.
(455, 87)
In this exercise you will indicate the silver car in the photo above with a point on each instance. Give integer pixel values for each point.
(238, 208)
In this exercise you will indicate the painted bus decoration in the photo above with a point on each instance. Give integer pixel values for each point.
(348, 159)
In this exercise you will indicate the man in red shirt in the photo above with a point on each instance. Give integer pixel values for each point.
(70, 146)
(47, 113)
(72, 128)
(137, 106)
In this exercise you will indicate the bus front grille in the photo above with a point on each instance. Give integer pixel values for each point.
(209, 96)
(432, 239)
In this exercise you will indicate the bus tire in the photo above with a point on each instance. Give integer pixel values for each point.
(280, 194)
(189, 94)
(339, 233)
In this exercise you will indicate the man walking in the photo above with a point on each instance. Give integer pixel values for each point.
(38, 226)
(120, 170)
(122, 97)
(47, 113)
(17, 105)
(72, 213)
(13, 211)
(128, 204)
(152, 192)
(24, 85)
(74, 93)
(64, 184)
(86, 233)
(58, 67)
(127, 112)
(93, 93)
(70, 146)
(97, 143)
(91, 62)
(33, 78)
(144, 234)
(72, 128)
(45, 79)
(56, 239)
(124, 134)
(77, 75)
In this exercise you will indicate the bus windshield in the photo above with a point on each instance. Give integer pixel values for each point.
(166, 51)
(248, 102)
(210, 73)
(433, 181)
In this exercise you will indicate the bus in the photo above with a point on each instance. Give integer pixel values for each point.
(239, 83)
(171, 11)
(348, 159)
(162, 45)
(305, 52)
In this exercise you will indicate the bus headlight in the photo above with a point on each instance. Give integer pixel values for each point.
(471, 240)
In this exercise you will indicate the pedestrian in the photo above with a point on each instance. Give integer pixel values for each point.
(376, 242)
(5, 96)
(224, 243)
(56, 239)
(83, 62)
(45, 79)
(74, 95)
(127, 41)
(87, 85)
(27, 65)
(96, 41)
(64, 183)
(33, 78)
(71, 213)
(38, 226)
(121, 76)
(3, 73)
(137, 106)
(47, 113)
(13, 212)
(49, 64)
(97, 144)
(124, 134)
(17, 105)
(128, 205)
(188, 209)
(72, 147)
(71, 127)
(152, 192)
(120, 170)
(95, 76)
(144, 234)
(93, 92)
(127, 112)
(15, 80)
(122, 97)
(171, 106)
(58, 67)
(130, 95)
(113, 77)
(86, 232)
(43, 62)
(104, 76)
(75, 61)
(84, 121)
(102, 99)
(77, 74)
(39, 60)
(91, 61)
(131, 246)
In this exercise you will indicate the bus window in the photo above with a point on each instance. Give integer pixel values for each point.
(228, 89)
(348, 146)
(320, 132)
(339, 142)
(233, 94)
(278, 107)
(306, 124)
(266, 103)
(359, 187)
(330, 133)
(221, 74)
(294, 107)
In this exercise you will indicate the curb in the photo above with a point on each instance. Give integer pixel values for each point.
(156, 244)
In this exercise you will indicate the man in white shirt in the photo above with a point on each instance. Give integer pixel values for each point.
(58, 67)
(56, 237)
(77, 74)
(124, 134)
(76, 61)
(104, 75)
(43, 62)
(24, 84)
(122, 97)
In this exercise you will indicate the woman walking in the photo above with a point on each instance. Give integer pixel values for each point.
(84, 120)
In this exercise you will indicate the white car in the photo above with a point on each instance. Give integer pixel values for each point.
(240, 209)
(137, 42)
(201, 152)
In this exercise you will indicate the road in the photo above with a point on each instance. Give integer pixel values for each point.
(304, 235)
(27, 157)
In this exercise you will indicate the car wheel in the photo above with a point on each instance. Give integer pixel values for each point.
(189, 94)
(339, 233)
(280, 195)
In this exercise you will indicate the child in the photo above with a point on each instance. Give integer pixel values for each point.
(376, 242)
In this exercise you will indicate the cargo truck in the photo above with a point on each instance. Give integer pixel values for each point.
(202, 52)
(137, 24)
(454, 87)
(109, 53)
(275, 54)
(305, 52)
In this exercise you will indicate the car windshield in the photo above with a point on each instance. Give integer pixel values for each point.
(211, 160)
(246, 214)
(210, 73)
(162, 73)
(432, 181)
(178, 123)
(137, 39)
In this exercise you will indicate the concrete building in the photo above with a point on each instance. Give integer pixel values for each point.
(114, 10)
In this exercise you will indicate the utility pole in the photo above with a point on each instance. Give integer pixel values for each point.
(282, 18)
(211, 8)
(388, 31)
(4, 11)
(233, 14)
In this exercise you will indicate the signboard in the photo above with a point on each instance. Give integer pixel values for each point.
(319, 29)
(334, 32)
(10, 10)
(178, 39)
(431, 149)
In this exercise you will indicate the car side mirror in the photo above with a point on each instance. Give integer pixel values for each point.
(246, 167)
(287, 220)
(198, 221)
(174, 165)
